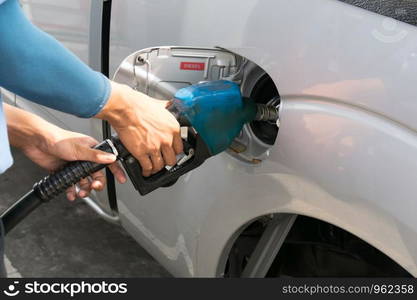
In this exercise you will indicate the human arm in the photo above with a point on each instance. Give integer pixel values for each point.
(37, 67)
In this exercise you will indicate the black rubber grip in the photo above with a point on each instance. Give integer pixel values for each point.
(56, 183)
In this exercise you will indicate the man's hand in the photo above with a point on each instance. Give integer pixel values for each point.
(147, 129)
(70, 146)
(50, 147)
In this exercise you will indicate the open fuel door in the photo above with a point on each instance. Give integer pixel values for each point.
(161, 71)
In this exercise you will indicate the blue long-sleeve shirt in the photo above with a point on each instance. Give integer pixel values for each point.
(37, 67)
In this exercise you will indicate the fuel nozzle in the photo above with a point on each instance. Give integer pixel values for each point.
(267, 113)
(215, 113)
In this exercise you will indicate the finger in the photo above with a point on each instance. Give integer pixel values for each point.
(177, 144)
(94, 155)
(157, 162)
(71, 193)
(169, 155)
(98, 181)
(164, 103)
(146, 164)
(167, 103)
(118, 172)
(85, 188)
(90, 141)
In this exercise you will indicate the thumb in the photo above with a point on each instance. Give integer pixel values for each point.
(94, 155)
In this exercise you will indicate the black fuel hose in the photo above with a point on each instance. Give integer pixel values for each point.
(57, 183)
(20, 209)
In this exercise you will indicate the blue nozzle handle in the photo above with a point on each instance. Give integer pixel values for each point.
(216, 110)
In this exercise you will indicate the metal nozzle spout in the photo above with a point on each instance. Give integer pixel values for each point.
(267, 113)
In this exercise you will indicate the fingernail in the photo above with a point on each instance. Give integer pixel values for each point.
(108, 157)
(97, 185)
